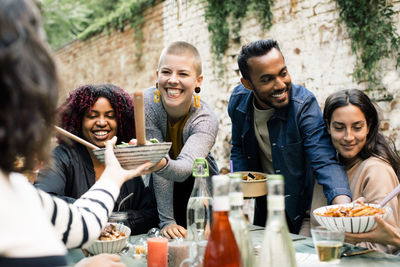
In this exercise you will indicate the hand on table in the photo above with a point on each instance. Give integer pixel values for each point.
(174, 231)
(101, 260)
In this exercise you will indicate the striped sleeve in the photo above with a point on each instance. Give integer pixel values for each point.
(79, 224)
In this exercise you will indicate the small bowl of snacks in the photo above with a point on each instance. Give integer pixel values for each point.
(351, 217)
(254, 183)
(130, 155)
(113, 239)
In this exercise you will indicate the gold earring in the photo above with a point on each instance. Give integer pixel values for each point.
(196, 101)
(156, 95)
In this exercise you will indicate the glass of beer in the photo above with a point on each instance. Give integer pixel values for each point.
(327, 244)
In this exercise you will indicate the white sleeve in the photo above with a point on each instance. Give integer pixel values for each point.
(79, 224)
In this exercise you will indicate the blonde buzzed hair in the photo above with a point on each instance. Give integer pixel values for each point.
(180, 48)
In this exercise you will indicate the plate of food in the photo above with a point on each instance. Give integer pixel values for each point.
(254, 183)
(112, 239)
(351, 217)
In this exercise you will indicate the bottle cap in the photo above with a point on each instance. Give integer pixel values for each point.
(235, 175)
(275, 177)
(200, 168)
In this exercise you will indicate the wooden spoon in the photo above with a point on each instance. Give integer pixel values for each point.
(140, 128)
(76, 138)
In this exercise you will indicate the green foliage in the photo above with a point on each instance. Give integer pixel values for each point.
(373, 36)
(224, 20)
(127, 12)
(62, 22)
(70, 19)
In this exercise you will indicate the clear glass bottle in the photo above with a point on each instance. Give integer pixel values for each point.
(119, 217)
(238, 222)
(199, 208)
(221, 250)
(277, 248)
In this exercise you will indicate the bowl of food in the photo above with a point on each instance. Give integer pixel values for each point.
(254, 184)
(112, 239)
(131, 155)
(351, 217)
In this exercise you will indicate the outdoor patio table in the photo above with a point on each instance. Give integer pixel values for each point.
(305, 253)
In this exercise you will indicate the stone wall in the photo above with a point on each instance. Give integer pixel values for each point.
(316, 48)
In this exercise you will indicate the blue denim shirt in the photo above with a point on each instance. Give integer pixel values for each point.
(301, 149)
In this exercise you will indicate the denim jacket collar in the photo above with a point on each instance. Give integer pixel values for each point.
(247, 105)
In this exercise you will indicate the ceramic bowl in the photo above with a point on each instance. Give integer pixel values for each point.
(112, 246)
(254, 188)
(131, 157)
(358, 224)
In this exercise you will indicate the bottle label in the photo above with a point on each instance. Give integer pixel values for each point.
(236, 198)
(276, 202)
(221, 203)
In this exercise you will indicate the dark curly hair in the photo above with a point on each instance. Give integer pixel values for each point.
(28, 86)
(70, 113)
(376, 145)
(254, 49)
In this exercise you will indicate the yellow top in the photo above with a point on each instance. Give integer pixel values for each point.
(175, 135)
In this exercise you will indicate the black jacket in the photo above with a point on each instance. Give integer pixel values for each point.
(72, 174)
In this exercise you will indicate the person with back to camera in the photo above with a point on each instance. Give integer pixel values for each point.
(96, 113)
(277, 127)
(36, 227)
(372, 165)
(174, 113)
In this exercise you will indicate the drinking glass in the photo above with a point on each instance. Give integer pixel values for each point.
(196, 260)
(328, 244)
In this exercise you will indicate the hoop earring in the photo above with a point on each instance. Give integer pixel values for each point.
(157, 95)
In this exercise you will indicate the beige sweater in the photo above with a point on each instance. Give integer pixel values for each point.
(372, 179)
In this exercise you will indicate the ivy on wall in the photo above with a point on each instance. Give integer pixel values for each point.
(373, 36)
(224, 19)
(369, 23)
(129, 11)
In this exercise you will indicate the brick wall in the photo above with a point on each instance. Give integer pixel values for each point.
(316, 48)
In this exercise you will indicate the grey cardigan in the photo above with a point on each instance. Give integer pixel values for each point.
(199, 134)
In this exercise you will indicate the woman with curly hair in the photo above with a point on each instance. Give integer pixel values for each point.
(96, 113)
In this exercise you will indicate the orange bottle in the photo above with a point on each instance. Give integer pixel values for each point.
(221, 250)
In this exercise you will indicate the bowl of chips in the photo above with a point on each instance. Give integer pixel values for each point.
(131, 156)
(254, 184)
(351, 217)
(112, 239)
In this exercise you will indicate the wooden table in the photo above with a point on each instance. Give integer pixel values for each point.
(305, 253)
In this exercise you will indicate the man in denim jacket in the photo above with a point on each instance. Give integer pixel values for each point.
(277, 127)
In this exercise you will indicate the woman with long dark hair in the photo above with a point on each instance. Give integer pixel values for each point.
(371, 163)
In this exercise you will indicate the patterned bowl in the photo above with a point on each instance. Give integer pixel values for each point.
(132, 156)
(357, 224)
(111, 246)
